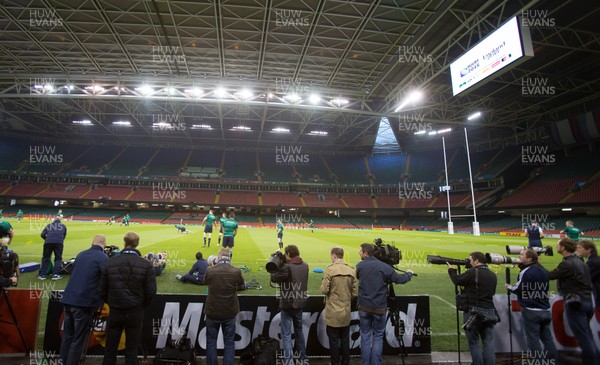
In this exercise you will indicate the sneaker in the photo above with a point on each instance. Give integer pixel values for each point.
(41, 277)
(178, 277)
(203, 246)
(56, 277)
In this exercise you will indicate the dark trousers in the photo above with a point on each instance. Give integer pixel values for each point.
(75, 333)
(339, 342)
(118, 320)
(49, 248)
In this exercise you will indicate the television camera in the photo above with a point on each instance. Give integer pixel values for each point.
(278, 268)
(386, 253)
(112, 250)
(515, 250)
(9, 263)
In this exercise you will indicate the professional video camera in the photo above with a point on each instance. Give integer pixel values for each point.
(496, 258)
(277, 267)
(515, 250)
(9, 263)
(440, 260)
(387, 253)
(111, 251)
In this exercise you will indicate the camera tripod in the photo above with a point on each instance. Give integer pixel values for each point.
(14, 322)
(397, 323)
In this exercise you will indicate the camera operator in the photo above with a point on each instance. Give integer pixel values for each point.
(222, 306)
(293, 297)
(374, 276)
(479, 285)
(128, 285)
(339, 287)
(9, 278)
(534, 234)
(575, 286)
(532, 293)
(54, 235)
(80, 298)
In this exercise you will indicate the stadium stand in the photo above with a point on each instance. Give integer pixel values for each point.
(240, 165)
(387, 168)
(322, 200)
(349, 169)
(281, 199)
(130, 161)
(239, 198)
(167, 162)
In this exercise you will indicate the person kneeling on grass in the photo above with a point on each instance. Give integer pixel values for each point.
(158, 261)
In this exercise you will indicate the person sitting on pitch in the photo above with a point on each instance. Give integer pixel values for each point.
(196, 273)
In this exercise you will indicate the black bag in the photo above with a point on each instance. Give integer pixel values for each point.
(177, 352)
(282, 275)
(262, 351)
(67, 267)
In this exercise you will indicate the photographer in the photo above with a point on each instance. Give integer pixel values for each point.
(575, 286)
(479, 285)
(54, 235)
(9, 278)
(532, 292)
(81, 297)
(374, 276)
(293, 297)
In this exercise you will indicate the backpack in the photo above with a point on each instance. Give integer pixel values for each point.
(262, 351)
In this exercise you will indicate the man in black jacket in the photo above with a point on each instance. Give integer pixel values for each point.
(293, 297)
(587, 249)
(575, 286)
(479, 287)
(127, 285)
(54, 238)
(222, 306)
(532, 292)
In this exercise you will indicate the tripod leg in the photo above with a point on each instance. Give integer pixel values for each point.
(15, 322)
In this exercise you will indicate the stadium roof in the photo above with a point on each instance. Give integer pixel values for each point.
(172, 72)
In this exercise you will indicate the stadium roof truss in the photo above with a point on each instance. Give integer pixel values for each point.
(171, 73)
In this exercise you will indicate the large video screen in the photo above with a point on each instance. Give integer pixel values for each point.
(508, 44)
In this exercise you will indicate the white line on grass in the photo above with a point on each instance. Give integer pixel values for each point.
(443, 300)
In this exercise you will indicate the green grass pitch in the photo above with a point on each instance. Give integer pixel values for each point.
(253, 246)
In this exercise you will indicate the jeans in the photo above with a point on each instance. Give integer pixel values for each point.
(372, 327)
(537, 331)
(289, 317)
(75, 333)
(339, 342)
(49, 248)
(118, 320)
(212, 333)
(486, 354)
(578, 317)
